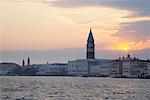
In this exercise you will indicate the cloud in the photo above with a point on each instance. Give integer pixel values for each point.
(135, 31)
(138, 7)
(85, 22)
(76, 3)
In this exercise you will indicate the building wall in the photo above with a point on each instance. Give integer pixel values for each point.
(115, 69)
(134, 68)
(53, 69)
(148, 68)
(84, 67)
(100, 70)
(78, 68)
(6, 68)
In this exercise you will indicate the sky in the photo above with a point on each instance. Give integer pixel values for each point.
(57, 30)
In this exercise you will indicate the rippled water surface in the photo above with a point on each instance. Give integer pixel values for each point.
(73, 88)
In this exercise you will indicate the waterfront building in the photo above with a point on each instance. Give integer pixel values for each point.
(80, 67)
(87, 67)
(53, 69)
(132, 67)
(100, 70)
(148, 68)
(115, 69)
(7, 68)
(129, 67)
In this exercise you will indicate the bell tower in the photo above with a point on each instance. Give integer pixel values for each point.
(90, 53)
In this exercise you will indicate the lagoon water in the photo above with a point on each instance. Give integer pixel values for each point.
(72, 88)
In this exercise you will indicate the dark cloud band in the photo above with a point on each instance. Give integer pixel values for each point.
(139, 7)
(136, 31)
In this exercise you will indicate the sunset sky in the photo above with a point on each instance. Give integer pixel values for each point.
(59, 25)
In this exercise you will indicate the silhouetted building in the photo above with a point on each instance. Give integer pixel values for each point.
(28, 62)
(90, 46)
(23, 63)
(7, 68)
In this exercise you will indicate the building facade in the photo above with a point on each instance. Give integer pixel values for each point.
(6, 68)
(148, 68)
(134, 68)
(100, 70)
(88, 67)
(115, 69)
(80, 67)
(53, 69)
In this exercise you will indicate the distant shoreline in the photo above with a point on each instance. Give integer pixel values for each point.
(78, 76)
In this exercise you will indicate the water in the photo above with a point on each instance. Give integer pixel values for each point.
(73, 88)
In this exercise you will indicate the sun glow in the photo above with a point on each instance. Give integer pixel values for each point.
(123, 47)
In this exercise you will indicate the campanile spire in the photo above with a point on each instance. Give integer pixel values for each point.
(90, 46)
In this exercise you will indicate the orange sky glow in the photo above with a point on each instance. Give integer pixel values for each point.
(38, 26)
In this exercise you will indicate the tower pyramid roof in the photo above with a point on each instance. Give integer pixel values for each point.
(90, 37)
